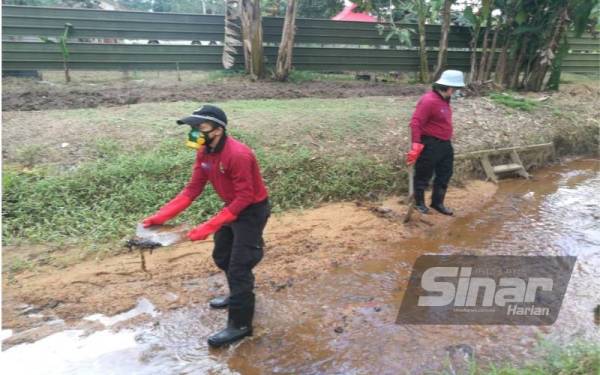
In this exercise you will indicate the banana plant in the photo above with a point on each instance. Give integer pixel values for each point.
(64, 49)
(232, 33)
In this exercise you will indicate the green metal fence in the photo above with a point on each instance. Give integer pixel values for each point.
(321, 45)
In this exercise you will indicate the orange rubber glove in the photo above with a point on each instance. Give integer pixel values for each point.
(211, 226)
(413, 154)
(168, 211)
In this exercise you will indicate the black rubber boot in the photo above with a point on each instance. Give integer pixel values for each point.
(220, 302)
(437, 201)
(239, 325)
(420, 202)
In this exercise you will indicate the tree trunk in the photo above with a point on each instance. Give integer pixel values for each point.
(423, 64)
(443, 52)
(491, 55)
(284, 56)
(484, 52)
(474, 41)
(66, 68)
(501, 71)
(514, 79)
(502, 61)
(563, 50)
(252, 31)
(543, 62)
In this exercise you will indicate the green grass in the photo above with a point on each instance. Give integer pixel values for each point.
(578, 358)
(342, 127)
(515, 102)
(298, 76)
(123, 163)
(19, 264)
(101, 201)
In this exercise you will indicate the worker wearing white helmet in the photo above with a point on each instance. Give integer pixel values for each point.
(431, 150)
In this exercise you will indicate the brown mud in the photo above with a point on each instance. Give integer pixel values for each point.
(300, 246)
(328, 290)
(28, 95)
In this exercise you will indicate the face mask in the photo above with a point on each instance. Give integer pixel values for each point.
(196, 139)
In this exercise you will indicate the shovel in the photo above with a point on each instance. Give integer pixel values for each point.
(159, 235)
(410, 200)
(156, 236)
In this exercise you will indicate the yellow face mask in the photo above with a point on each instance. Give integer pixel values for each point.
(195, 139)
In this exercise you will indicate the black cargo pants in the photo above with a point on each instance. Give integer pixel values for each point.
(438, 157)
(238, 248)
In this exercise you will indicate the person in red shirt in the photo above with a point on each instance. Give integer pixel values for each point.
(231, 167)
(431, 151)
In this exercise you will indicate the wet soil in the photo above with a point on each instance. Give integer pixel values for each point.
(300, 246)
(329, 305)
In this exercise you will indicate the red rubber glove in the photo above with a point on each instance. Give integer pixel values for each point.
(168, 211)
(413, 154)
(211, 226)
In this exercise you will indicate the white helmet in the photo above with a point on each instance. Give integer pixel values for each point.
(451, 78)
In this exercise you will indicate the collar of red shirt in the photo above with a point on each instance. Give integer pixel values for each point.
(441, 96)
(218, 147)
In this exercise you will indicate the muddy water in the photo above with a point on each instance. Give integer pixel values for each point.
(344, 320)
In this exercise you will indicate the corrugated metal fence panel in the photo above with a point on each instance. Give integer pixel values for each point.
(584, 56)
(28, 21)
(50, 22)
(22, 55)
(585, 42)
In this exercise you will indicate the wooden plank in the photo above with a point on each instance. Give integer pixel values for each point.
(514, 156)
(500, 151)
(505, 168)
(487, 167)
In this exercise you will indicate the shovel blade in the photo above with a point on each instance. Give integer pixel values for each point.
(165, 235)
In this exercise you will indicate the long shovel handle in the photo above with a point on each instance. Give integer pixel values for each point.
(411, 194)
(411, 189)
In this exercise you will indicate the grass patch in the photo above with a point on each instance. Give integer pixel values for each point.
(515, 102)
(299, 76)
(101, 201)
(342, 127)
(575, 359)
(19, 264)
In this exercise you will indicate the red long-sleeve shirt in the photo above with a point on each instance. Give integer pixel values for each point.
(233, 172)
(433, 117)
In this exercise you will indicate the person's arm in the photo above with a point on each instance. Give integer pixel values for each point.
(419, 119)
(242, 168)
(183, 200)
(241, 175)
(197, 182)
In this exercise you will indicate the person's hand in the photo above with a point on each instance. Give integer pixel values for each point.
(168, 211)
(413, 154)
(202, 231)
(154, 220)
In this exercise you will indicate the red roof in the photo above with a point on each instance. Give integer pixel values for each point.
(347, 14)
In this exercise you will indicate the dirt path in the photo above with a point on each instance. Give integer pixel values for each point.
(300, 246)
